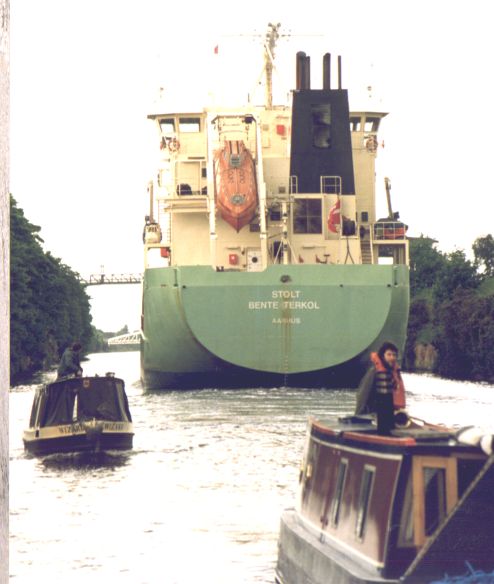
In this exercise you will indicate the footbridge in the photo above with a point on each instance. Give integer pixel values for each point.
(133, 338)
(103, 279)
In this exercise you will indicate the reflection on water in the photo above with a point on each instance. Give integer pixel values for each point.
(85, 461)
(199, 497)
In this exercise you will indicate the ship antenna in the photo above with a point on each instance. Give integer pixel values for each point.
(387, 185)
(269, 44)
(272, 37)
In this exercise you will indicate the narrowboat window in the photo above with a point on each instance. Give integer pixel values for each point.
(167, 126)
(340, 485)
(406, 536)
(187, 125)
(321, 125)
(434, 498)
(371, 124)
(364, 498)
(76, 407)
(307, 216)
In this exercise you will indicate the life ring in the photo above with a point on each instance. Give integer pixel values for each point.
(174, 145)
(371, 144)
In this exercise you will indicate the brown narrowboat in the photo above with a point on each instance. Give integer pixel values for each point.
(235, 183)
(410, 507)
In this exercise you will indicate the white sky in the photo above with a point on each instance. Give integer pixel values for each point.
(84, 75)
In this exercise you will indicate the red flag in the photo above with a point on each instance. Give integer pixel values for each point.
(334, 216)
(216, 48)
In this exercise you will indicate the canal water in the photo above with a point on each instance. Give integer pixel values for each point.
(199, 497)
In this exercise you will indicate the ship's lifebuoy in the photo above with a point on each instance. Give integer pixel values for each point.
(174, 145)
(371, 144)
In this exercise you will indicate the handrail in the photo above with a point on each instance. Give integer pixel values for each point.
(389, 230)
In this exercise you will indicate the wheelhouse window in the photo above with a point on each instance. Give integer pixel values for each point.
(189, 125)
(355, 124)
(371, 124)
(364, 499)
(307, 216)
(167, 126)
(321, 125)
(340, 486)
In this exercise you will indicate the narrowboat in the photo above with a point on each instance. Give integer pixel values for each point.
(410, 507)
(80, 414)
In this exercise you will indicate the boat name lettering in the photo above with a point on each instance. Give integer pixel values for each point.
(289, 320)
(113, 426)
(72, 429)
(290, 304)
(285, 294)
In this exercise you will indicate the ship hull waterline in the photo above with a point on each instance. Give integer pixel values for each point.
(289, 325)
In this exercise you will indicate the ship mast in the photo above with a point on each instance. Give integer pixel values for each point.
(272, 36)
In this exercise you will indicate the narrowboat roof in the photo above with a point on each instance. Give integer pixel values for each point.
(360, 431)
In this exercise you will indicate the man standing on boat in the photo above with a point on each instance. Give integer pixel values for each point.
(70, 362)
(382, 390)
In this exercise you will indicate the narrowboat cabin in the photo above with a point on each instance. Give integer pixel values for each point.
(409, 507)
(80, 414)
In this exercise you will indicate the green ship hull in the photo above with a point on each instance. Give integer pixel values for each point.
(289, 325)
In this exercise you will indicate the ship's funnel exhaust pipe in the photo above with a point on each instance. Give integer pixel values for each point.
(326, 71)
(339, 71)
(303, 71)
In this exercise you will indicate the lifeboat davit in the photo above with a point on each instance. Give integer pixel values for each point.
(235, 183)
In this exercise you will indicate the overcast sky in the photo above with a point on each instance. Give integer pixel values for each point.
(84, 75)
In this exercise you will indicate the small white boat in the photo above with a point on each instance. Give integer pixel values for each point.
(80, 414)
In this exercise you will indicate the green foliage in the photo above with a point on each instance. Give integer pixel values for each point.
(450, 310)
(418, 320)
(98, 342)
(483, 250)
(486, 288)
(457, 273)
(425, 263)
(49, 307)
(465, 336)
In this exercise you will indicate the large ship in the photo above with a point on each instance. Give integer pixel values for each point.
(265, 264)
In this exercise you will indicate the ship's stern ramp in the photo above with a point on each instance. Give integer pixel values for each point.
(283, 320)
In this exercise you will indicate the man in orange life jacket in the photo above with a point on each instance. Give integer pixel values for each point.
(382, 390)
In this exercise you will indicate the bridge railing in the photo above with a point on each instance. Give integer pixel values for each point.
(127, 339)
(100, 279)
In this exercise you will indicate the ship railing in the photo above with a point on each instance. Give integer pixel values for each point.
(184, 204)
(331, 185)
(389, 231)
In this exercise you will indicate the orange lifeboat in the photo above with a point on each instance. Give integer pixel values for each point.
(235, 183)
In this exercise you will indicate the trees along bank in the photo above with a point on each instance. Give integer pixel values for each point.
(49, 308)
(451, 311)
